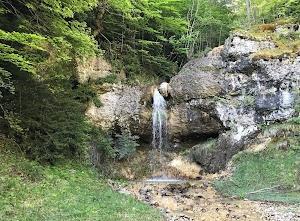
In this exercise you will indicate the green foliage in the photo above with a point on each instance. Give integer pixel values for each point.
(160, 36)
(264, 12)
(85, 92)
(274, 172)
(67, 192)
(102, 141)
(138, 35)
(111, 79)
(125, 145)
(97, 102)
(48, 126)
(34, 31)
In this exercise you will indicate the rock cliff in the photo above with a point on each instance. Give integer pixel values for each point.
(228, 94)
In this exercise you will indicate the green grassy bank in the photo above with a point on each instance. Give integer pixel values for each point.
(29, 191)
(272, 174)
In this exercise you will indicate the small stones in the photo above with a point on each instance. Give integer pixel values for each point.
(154, 203)
(178, 188)
(124, 191)
(162, 193)
(148, 196)
(142, 191)
(181, 217)
(146, 192)
(166, 210)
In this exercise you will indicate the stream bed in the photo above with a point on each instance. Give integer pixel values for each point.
(198, 200)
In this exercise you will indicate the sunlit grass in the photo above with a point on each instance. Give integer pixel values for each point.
(273, 175)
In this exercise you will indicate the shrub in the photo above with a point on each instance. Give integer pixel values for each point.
(85, 92)
(100, 144)
(97, 102)
(112, 79)
(125, 144)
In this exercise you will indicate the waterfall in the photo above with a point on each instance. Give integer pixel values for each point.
(160, 123)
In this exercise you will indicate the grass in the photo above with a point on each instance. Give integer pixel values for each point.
(29, 191)
(275, 169)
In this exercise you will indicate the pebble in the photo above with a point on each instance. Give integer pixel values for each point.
(154, 203)
(124, 191)
(166, 210)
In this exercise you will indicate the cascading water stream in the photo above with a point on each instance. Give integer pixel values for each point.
(160, 123)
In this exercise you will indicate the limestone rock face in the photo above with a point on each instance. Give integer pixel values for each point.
(93, 68)
(196, 117)
(230, 91)
(240, 45)
(226, 94)
(198, 79)
(123, 107)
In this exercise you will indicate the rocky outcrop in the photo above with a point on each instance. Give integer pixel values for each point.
(193, 118)
(244, 93)
(240, 45)
(229, 94)
(124, 108)
(93, 68)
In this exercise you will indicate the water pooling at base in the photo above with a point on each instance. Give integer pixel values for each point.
(160, 132)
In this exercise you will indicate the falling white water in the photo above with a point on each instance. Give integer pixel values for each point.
(160, 123)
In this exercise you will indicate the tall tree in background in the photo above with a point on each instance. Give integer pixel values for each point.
(262, 11)
(160, 35)
(138, 32)
(209, 24)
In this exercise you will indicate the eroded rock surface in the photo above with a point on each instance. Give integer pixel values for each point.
(230, 91)
(93, 68)
(227, 94)
(124, 107)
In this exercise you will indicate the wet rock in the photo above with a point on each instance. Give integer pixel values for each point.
(195, 117)
(177, 188)
(154, 204)
(124, 191)
(148, 196)
(166, 210)
(162, 193)
(204, 185)
(142, 191)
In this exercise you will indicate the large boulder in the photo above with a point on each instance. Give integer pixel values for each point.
(194, 118)
(124, 108)
(198, 79)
